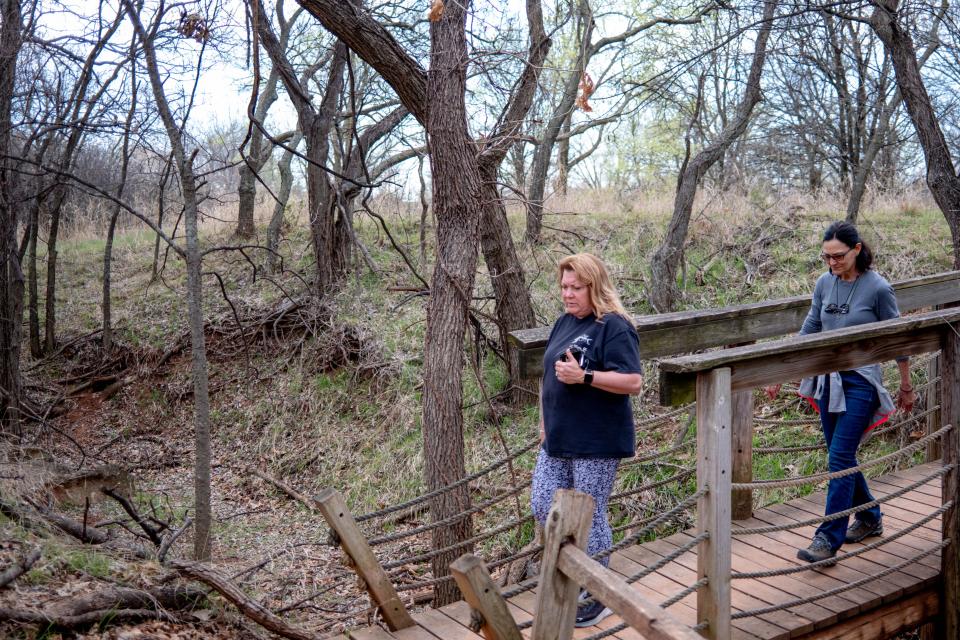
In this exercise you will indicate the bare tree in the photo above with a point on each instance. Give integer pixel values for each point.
(125, 152)
(559, 127)
(942, 178)
(437, 100)
(280, 206)
(260, 149)
(203, 538)
(11, 276)
(665, 263)
(316, 124)
(78, 111)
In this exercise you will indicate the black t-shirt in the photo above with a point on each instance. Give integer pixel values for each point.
(580, 420)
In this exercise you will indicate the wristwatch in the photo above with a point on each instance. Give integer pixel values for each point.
(588, 376)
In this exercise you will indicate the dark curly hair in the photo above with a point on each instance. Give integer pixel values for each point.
(848, 235)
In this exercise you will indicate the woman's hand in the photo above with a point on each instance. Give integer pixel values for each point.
(772, 390)
(906, 397)
(568, 371)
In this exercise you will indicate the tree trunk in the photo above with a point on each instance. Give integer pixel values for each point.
(50, 305)
(33, 313)
(283, 197)
(663, 291)
(563, 158)
(203, 537)
(544, 150)
(11, 276)
(514, 310)
(255, 160)
(874, 143)
(321, 194)
(161, 193)
(107, 339)
(941, 173)
(316, 125)
(456, 200)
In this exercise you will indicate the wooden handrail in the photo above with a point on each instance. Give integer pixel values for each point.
(670, 334)
(651, 620)
(353, 542)
(565, 565)
(800, 356)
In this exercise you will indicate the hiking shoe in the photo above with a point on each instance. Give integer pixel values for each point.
(860, 530)
(818, 550)
(590, 614)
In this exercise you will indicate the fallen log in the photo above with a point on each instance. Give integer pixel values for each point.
(18, 569)
(247, 606)
(114, 604)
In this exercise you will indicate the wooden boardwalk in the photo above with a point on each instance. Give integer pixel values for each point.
(874, 610)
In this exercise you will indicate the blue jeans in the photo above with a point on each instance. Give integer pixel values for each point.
(842, 432)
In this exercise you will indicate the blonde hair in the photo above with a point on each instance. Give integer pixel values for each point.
(591, 271)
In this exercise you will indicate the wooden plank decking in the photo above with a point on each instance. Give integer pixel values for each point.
(874, 610)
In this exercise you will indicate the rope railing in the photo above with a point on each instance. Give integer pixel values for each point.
(893, 426)
(786, 423)
(670, 557)
(513, 456)
(659, 564)
(521, 587)
(886, 539)
(660, 453)
(633, 524)
(820, 477)
(665, 517)
(669, 602)
(393, 537)
(899, 424)
(450, 487)
(841, 589)
(429, 555)
(846, 513)
(679, 477)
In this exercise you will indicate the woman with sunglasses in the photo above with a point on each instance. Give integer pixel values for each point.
(850, 403)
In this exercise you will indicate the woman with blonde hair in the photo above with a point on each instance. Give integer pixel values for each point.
(590, 368)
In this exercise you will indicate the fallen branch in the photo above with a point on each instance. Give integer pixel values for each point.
(310, 503)
(116, 604)
(19, 568)
(247, 606)
(152, 533)
(171, 537)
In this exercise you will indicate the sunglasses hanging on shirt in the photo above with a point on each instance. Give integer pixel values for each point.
(841, 309)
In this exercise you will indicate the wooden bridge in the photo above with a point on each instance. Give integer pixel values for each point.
(735, 575)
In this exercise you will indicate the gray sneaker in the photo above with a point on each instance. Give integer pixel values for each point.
(860, 530)
(818, 550)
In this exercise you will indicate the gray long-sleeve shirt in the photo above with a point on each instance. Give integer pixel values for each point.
(870, 298)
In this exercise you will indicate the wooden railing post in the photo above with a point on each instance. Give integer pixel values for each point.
(483, 596)
(949, 620)
(742, 445)
(353, 542)
(569, 520)
(714, 418)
